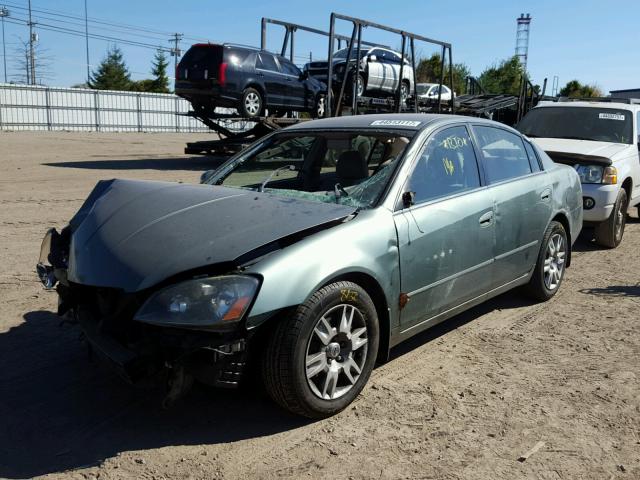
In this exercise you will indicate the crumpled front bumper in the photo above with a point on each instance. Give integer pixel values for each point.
(140, 353)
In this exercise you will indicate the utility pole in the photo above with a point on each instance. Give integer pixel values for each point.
(86, 37)
(32, 56)
(4, 12)
(175, 51)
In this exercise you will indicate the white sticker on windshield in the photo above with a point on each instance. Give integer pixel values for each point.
(395, 123)
(611, 116)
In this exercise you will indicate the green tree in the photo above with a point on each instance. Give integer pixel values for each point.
(504, 77)
(575, 89)
(428, 71)
(159, 72)
(112, 73)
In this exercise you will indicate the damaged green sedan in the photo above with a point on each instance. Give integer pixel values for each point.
(312, 253)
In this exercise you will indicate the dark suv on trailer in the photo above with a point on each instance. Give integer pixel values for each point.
(248, 79)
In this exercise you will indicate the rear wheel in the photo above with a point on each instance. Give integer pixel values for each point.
(404, 91)
(360, 87)
(318, 360)
(251, 103)
(550, 267)
(609, 233)
(319, 109)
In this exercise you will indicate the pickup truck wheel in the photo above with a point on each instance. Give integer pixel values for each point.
(251, 103)
(609, 233)
(551, 263)
(318, 360)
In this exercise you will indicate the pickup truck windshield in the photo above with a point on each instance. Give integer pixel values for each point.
(349, 168)
(579, 123)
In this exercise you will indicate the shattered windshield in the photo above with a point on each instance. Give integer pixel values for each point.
(579, 123)
(348, 168)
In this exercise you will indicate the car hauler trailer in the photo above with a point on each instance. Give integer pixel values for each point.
(231, 141)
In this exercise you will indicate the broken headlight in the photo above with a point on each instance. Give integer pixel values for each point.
(216, 303)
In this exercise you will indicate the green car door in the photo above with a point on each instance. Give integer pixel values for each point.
(522, 197)
(446, 238)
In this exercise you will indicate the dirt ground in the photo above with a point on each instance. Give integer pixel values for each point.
(463, 400)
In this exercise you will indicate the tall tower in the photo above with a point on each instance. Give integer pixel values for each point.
(522, 39)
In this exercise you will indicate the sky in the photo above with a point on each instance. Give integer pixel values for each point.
(592, 41)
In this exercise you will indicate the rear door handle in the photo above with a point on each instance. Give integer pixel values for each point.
(546, 195)
(486, 219)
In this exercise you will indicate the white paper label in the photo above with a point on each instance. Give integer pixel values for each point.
(611, 116)
(396, 123)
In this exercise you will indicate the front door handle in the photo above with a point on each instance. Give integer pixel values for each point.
(486, 219)
(546, 195)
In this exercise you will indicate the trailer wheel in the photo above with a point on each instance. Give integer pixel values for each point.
(251, 103)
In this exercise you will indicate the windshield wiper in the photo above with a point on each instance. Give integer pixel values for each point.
(275, 174)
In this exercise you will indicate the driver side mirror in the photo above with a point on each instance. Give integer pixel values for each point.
(372, 58)
(304, 75)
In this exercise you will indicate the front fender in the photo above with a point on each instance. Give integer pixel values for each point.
(366, 244)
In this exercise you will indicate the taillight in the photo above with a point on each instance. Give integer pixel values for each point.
(222, 74)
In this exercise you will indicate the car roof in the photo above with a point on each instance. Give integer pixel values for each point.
(390, 121)
(620, 105)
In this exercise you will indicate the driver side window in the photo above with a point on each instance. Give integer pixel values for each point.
(446, 166)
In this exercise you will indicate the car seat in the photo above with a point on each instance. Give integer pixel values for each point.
(351, 168)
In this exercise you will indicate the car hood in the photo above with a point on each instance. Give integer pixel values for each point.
(133, 235)
(581, 148)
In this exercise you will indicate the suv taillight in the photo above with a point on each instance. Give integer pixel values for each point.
(222, 74)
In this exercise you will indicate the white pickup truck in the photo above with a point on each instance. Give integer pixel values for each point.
(601, 139)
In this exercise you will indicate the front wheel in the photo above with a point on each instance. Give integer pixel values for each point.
(609, 233)
(551, 263)
(317, 361)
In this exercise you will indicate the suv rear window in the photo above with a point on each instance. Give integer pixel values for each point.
(579, 123)
(206, 55)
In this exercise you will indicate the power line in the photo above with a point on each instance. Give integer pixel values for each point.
(93, 20)
(69, 31)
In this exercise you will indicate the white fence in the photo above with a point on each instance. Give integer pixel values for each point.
(26, 107)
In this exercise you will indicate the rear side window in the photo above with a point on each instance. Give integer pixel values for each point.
(267, 62)
(446, 166)
(533, 157)
(503, 152)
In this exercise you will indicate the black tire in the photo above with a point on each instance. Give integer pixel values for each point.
(609, 233)
(538, 287)
(361, 82)
(406, 84)
(251, 103)
(319, 107)
(284, 365)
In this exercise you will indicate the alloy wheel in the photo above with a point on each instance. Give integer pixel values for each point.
(336, 352)
(252, 103)
(320, 107)
(554, 261)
